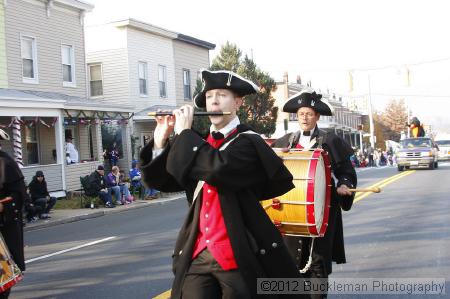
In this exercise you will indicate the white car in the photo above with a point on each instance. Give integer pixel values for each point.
(444, 149)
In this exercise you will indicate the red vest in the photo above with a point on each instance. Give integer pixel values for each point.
(212, 233)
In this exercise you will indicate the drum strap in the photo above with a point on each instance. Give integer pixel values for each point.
(223, 147)
(308, 264)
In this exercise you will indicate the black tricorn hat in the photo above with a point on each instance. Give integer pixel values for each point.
(223, 80)
(308, 98)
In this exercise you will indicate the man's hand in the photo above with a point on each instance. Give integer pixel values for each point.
(343, 190)
(184, 118)
(164, 127)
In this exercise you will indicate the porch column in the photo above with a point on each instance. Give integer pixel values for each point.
(17, 141)
(126, 143)
(60, 146)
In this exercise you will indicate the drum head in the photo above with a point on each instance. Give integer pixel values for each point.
(319, 193)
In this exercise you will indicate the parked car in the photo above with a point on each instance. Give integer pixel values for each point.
(444, 149)
(417, 152)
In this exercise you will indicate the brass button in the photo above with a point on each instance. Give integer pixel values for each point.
(274, 245)
(262, 251)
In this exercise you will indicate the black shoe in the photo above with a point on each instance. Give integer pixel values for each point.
(109, 205)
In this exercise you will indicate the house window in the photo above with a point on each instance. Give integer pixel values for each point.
(29, 59)
(187, 84)
(68, 65)
(31, 145)
(95, 80)
(162, 81)
(142, 70)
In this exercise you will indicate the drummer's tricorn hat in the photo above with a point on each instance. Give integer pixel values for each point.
(3, 135)
(223, 80)
(308, 98)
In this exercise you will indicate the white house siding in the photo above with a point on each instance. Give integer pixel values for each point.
(62, 27)
(3, 73)
(192, 58)
(53, 175)
(154, 50)
(75, 171)
(115, 75)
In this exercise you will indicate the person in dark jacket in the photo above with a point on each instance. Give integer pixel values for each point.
(97, 187)
(40, 196)
(227, 240)
(11, 226)
(308, 106)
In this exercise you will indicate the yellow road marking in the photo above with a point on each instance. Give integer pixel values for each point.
(164, 295)
(383, 183)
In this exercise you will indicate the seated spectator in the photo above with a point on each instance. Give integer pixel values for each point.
(97, 187)
(116, 184)
(150, 193)
(40, 196)
(135, 177)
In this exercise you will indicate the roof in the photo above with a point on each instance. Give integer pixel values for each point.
(81, 5)
(195, 41)
(147, 27)
(78, 103)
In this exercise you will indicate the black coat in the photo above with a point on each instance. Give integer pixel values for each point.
(96, 183)
(244, 173)
(38, 189)
(330, 247)
(11, 225)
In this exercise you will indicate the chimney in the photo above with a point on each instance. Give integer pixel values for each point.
(299, 79)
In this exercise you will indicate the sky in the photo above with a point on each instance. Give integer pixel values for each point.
(377, 42)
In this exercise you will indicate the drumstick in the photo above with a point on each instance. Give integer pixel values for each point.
(373, 189)
(6, 199)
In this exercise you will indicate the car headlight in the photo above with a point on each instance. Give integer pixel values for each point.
(427, 154)
(401, 154)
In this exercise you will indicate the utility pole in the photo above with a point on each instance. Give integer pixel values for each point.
(372, 141)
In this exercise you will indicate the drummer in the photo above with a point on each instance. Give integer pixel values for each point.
(309, 107)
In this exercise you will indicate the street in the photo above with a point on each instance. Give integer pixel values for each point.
(401, 232)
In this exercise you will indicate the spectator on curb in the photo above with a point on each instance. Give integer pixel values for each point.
(114, 183)
(40, 195)
(97, 187)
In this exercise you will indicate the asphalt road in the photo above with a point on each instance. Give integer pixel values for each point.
(401, 232)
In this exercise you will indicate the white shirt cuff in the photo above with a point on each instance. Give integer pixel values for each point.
(157, 152)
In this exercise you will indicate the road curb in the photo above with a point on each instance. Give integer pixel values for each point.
(134, 206)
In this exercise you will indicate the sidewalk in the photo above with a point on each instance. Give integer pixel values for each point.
(72, 215)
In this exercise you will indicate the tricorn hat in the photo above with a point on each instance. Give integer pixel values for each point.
(3, 135)
(308, 98)
(223, 80)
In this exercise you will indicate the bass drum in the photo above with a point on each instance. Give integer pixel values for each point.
(303, 211)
